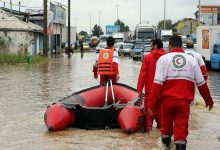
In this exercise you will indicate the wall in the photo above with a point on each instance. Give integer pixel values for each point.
(19, 42)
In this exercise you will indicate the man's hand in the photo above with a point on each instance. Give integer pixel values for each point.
(95, 76)
(140, 96)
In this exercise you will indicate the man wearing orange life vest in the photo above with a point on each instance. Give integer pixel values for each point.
(174, 81)
(106, 64)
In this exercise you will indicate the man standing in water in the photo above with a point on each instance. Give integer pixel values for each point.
(190, 50)
(106, 64)
(175, 78)
(146, 78)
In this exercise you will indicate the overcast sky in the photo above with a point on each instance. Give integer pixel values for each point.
(128, 11)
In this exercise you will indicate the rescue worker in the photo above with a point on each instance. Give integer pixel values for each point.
(190, 50)
(146, 78)
(175, 78)
(106, 64)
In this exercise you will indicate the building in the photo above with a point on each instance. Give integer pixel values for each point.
(18, 36)
(209, 14)
(186, 26)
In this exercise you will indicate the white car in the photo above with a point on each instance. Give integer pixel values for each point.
(100, 45)
(119, 47)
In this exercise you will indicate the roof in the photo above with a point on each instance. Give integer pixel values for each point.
(209, 6)
(11, 23)
(186, 19)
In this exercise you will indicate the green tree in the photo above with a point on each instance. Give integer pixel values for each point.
(97, 31)
(123, 27)
(168, 24)
(84, 33)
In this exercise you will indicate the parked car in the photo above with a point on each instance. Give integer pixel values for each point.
(86, 46)
(136, 53)
(100, 45)
(127, 48)
(146, 51)
(119, 48)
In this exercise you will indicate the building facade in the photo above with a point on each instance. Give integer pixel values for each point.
(186, 26)
(209, 14)
(18, 36)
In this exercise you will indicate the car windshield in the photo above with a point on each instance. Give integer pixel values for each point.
(128, 46)
(139, 46)
(166, 38)
(147, 49)
(104, 45)
(117, 45)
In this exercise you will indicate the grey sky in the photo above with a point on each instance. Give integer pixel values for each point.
(128, 11)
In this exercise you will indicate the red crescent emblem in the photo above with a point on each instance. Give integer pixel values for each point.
(178, 61)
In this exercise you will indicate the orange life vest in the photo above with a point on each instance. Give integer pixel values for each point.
(105, 62)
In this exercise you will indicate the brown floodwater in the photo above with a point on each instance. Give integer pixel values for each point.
(26, 91)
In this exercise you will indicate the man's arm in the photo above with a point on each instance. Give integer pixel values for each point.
(142, 76)
(205, 93)
(157, 86)
(202, 87)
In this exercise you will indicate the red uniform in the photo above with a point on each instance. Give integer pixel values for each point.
(145, 79)
(106, 65)
(175, 78)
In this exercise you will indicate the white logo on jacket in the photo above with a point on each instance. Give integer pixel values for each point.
(179, 61)
(106, 55)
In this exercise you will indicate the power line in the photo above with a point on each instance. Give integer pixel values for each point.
(19, 5)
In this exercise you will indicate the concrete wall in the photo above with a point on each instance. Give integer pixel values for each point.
(22, 42)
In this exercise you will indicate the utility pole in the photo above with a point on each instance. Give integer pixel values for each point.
(199, 13)
(10, 6)
(164, 19)
(4, 4)
(117, 11)
(140, 11)
(99, 23)
(19, 6)
(69, 46)
(45, 39)
(90, 29)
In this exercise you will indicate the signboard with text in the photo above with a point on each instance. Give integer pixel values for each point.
(112, 28)
(59, 14)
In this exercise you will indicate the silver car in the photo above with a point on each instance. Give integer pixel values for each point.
(127, 48)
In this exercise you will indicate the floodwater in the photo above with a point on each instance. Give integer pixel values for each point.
(26, 91)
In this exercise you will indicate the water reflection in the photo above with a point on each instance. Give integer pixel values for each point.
(26, 90)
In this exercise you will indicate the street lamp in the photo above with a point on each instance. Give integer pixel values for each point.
(90, 17)
(164, 19)
(140, 11)
(199, 12)
(117, 11)
(99, 23)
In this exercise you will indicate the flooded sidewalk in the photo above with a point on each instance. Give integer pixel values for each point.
(26, 91)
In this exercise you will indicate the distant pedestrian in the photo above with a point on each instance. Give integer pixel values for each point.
(81, 48)
(174, 82)
(146, 78)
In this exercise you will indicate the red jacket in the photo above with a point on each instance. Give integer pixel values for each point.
(147, 72)
(175, 78)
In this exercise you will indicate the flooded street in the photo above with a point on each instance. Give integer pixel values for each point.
(26, 91)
